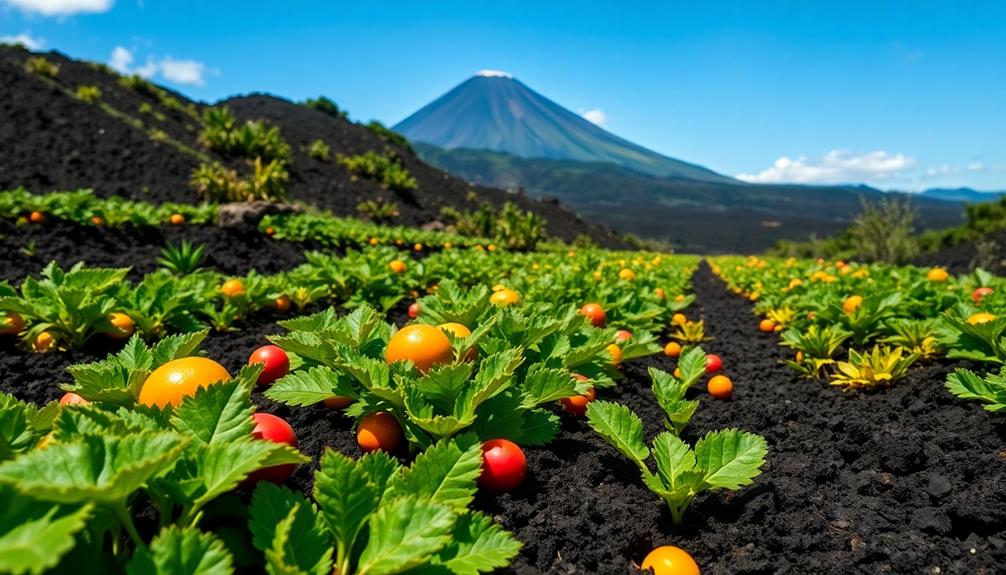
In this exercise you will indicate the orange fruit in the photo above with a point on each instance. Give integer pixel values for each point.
(626, 274)
(616, 354)
(980, 318)
(177, 219)
(670, 560)
(122, 325)
(622, 336)
(937, 275)
(378, 431)
(180, 378)
(36, 218)
(98, 220)
(852, 303)
(11, 323)
(397, 266)
(720, 387)
(594, 312)
(338, 402)
(672, 349)
(504, 298)
(660, 293)
(282, 303)
(43, 342)
(424, 344)
(233, 288)
(766, 325)
(460, 331)
(577, 404)
(679, 319)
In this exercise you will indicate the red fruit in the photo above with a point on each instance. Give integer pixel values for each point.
(981, 292)
(414, 310)
(622, 336)
(275, 363)
(338, 402)
(277, 430)
(71, 398)
(503, 465)
(595, 313)
(713, 363)
(379, 431)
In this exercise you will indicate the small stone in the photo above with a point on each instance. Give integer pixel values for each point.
(241, 214)
(939, 486)
(931, 520)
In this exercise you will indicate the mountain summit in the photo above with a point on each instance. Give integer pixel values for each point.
(494, 111)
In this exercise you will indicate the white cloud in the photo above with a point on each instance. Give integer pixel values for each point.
(61, 7)
(976, 167)
(25, 39)
(835, 167)
(183, 71)
(595, 116)
(178, 71)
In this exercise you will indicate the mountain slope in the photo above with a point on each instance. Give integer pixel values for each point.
(694, 216)
(494, 111)
(130, 143)
(962, 195)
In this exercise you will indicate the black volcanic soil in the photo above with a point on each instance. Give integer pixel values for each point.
(53, 141)
(895, 481)
(966, 256)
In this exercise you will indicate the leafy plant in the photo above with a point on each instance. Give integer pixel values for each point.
(691, 332)
(39, 65)
(990, 389)
(725, 459)
(327, 106)
(181, 259)
(384, 168)
(378, 210)
(251, 139)
(670, 390)
(916, 336)
(88, 94)
(318, 150)
(883, 231)
(880, 367)
(389, 136)
(817, 346)
(968, 333)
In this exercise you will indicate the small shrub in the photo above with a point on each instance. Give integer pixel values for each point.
(216, 183)
(146, 108)
(158, 135)
(318, 150)
(377, 211)
(883, 231)
(385, 169)
(511, 227)
(89, 94)
(389, 136)
(253, 139)
(139, 84)
(323, 104)
(41, 66)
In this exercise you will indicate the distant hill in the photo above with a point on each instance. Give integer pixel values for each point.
(695, 216)
(962, 195)
(494, 111)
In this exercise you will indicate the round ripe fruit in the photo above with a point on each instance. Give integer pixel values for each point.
(626, 274)
(233, 288)
(766, 325)
(616, 354)
(268, 427)
(71, 398)
(338, 402)
(672, 349)
(679, 298)
(282, 303)
(177, 219)
(677, 372)
(374, 241)
(720, 387)
(424, 344)
(275, 363)
(504, 298)
(852, 303)
(503, 465)
(418, 247)
(594, 312)
(661, 294)
(679, 319)
(460, 331)
(799, 357)
(937, 275)
(11, 323)
(713, 363)
(981, 292)
(397, 266)
(414, 310)
(378, 431)
(577, 404)
(43, 342)
(122, 325)
(670, 560)
(622, 336)
(178, 379)
(980, 318)
(98, 220)
(37, 218)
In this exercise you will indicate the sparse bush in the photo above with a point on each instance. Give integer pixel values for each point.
(584, 241)
(89, 94)
(318, 150)
(268, 182)
(512, 227)
(390, 137)
(384, 168)
(377, 211)
(883, 231)
(158, 135)
(222, 133)
(41, 66)
(323, 104)
(139, 84)
(216, 183)
(146, 108)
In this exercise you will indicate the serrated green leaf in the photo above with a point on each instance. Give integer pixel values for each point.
(730, 458)
(346, 497)
(538, 427)
(34, 536)
(311, 387)
(405, 533)
(445, 473)
(177, 346)
(620, 427)
(442, 385)
(288, 528)
(543, 385)
(673, 457)
(182, 551)
(16, 431)
(692, 364)
(478, 545)
(495, 375)
(218, 413)
(222, 466)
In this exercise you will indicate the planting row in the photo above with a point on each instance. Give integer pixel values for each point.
(886, 318)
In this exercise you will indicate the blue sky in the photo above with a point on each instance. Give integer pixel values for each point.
(899, 94)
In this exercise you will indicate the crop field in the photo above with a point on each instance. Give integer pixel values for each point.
(314, 394)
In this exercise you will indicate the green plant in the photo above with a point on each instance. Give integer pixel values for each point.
(691, 332)
(88, 94)
(670, 390)
(880, 367)
(817, 346)
(41, 66)
(378, 210)
(139, 84)
(916, 336)
(181, 259)
(251, 139)
(389, 136)
(518, 229)
(268, 181)
(883, 231)
(215, 183)
(967, 333)
(318, 150)
(323, 104)
(990, 389)
(384, 168)
(725, 459)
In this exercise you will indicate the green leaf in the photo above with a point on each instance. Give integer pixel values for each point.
(620, 427)
(219, 413)
(178, 346)
(345, 495)
(222, 466)
(538, 427)
(542, 385)
(692, 364)
(380, 468)
(730, 458)
(670, 394)
(34, 536)
(405, 533)
(288, 528)
(991, 389)
(16, 432)
(495, 375)
(674, 458)
(103, 469)
(182, 551)
(445, 473)
(442, 385)
(310, 387)
(478, 545)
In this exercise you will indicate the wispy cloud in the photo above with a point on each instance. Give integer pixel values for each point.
(26, 39)
(61, 7)
(595, 116)
(835, 167)
(185, 72)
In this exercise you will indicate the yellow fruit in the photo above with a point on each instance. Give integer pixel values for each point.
(177, 219)
(672, 349)
(679, 319)
(980, 318)
(852, 303)
(397, 266)
(181, 378)
(660, 293)
(504, 298)
(616, 354)
(233, 288)
(626, 274)
(373, 241)
(43, 342)
(670, 560)
(937, 275)
(122, 325)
